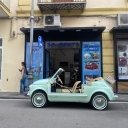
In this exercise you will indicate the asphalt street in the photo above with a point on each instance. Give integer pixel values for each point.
(19, 113)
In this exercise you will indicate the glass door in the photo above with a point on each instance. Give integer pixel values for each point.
(0, 60)
(122, 66)
(0, 65)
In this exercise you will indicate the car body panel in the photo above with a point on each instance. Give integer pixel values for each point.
(100, 86)
(39, 85)
(66, 97)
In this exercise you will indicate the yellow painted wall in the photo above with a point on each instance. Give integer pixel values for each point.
(87, 12)
(93, 7)
(99, 3)
(106, 3)
(107, 50)
(24, 2)
(109, 23)
(13, 7)
(13, 54)
(13, 50)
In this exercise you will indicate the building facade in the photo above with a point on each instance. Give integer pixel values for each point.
(87, 20)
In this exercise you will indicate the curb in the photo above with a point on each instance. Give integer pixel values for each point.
(14, 97)
(119, 101)
(4, 97)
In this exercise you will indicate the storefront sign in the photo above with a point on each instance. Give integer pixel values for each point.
(91, 47)
(62, 44)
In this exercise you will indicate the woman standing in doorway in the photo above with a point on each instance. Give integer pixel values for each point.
(24, 75)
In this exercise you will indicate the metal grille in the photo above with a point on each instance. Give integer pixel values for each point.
(47, 5)
(49, 1)
(124, 18)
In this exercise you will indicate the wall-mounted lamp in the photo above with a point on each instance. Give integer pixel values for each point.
(95, 30)
(61, 30)
(78, 30)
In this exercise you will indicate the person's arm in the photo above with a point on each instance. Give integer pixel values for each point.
(22, 73)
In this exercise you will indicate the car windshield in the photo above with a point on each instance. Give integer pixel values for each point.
(59, 71)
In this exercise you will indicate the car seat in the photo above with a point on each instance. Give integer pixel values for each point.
(73, 88)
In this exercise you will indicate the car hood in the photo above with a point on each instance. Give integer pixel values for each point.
(43, 81)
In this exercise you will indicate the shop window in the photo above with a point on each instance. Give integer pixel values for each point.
(37, 64)
(122, 66)
(122, 55)
(91, 60)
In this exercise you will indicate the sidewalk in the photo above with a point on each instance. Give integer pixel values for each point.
(17, 95)
(13, 95)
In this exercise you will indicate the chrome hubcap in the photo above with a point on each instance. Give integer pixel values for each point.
(39, 99)
(100, 102)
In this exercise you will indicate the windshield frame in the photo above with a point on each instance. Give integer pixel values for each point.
(58, 72)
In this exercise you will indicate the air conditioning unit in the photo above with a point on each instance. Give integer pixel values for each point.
(52, 20)
(122, 19)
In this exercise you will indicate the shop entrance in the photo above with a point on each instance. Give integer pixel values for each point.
(69, 48)
(66, 55)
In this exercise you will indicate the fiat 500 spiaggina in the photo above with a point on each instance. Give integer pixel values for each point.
(97, 92)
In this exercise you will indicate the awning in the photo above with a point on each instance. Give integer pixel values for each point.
(119, 30)
(69, 29)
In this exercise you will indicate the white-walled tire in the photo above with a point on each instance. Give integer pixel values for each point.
(99, 101)
(39, 99)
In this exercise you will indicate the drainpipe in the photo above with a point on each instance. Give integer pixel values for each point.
(30, 75)
(11, 29)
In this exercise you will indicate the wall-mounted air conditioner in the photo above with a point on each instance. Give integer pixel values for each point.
(52, 20)
(122, 19)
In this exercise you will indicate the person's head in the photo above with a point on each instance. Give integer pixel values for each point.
(23, 64)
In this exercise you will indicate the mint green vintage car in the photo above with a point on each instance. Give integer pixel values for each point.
(97, 92)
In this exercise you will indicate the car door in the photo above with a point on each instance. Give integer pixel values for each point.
(67, 97)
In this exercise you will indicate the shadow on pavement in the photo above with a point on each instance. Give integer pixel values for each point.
(66, 105)
(59, 105)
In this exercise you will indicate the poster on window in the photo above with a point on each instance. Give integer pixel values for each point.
(91, 60)
(37, 63)
(122, 57)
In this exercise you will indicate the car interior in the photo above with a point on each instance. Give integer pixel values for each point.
(64, 89)
(76, 88)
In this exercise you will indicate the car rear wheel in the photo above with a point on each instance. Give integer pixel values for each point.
(99, 101)
(39, 99)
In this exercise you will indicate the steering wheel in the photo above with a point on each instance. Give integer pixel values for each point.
(59, 79)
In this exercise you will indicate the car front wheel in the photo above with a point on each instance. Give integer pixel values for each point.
(99, 101)
(39, 99)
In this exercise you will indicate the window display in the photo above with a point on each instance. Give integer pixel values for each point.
(122, 55)
(37, 60)
(91, 60)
